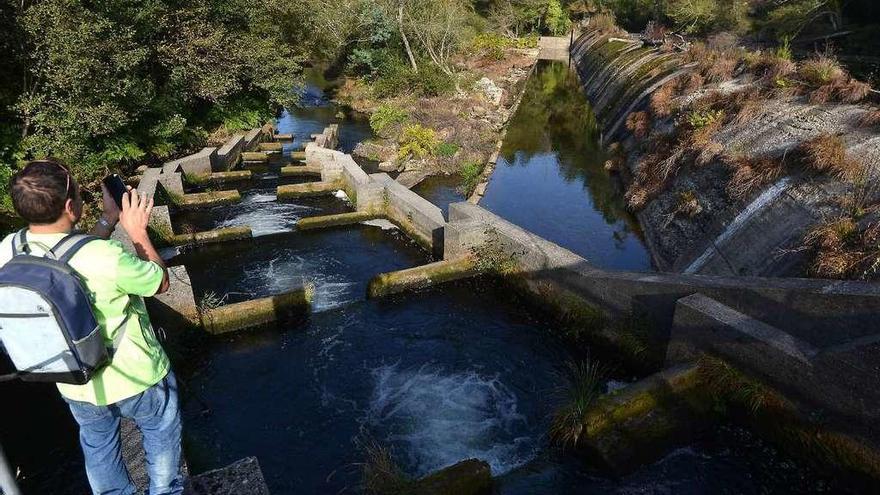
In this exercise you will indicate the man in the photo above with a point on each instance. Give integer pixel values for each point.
(138, 383)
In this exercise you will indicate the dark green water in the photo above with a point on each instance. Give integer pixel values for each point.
(550, 178)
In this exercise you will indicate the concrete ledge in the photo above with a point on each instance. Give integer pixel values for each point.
(243, 477)
(249, 314)
(468, 477)
(254, 157)
(309, 189)
(314, 223)
(177, 306)
(298, 155)
(231, 176)
(214, 198)
(419, 218)
(213, 236)
(300, 171)
(252, 139)
(283, 137)
(197, 164)
(645, 420)
(229, 154)
(269, 147)
(422, 277)
(172, 183)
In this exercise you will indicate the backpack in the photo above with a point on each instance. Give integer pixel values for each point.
(47, 324)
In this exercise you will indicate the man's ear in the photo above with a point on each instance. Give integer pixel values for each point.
(71, 210)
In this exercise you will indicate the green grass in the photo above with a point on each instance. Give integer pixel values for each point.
(470, 173)
(584, 384)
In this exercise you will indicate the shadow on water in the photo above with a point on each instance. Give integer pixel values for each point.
(550, 177)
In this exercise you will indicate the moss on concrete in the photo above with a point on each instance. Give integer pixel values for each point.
(212, 198)
(786, 424)
(283, 137)
(298, 155)
(213, 236)
(325, 221)
(249, 314)
(270, 147)
(254, 157)
(231, 176)
(309, 189)
(422, 277)
(300, 171)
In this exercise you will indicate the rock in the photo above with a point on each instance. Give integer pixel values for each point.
(375, 151)
(241, 478)
(492, 92)
(388, 166)
(340, 115)
(468, 477)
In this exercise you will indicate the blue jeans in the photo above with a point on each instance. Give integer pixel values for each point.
(157, 415)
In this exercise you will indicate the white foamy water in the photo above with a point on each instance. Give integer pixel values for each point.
(290, 272)
(441, 418)
(265, 215)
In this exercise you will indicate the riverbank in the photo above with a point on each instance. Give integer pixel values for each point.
(448, 134)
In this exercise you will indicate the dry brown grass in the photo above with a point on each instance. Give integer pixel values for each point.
(752, 175)
(870, 118)
(639, 123)
(842, 251)
(773, 68)
(662, 100)
(690, 83)
(853, 91)
(826, 153)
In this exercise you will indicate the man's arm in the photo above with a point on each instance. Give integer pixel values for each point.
(134, 219)
(109, 218)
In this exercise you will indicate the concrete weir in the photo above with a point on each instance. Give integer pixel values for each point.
(422, 277)
(326, 221)
(257, 312)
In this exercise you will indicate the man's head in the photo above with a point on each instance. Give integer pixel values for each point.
(44, 192)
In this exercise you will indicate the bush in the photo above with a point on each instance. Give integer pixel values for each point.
(418, 142)
(447, 150)
(387, 117)
(698, 119)
(396, 78)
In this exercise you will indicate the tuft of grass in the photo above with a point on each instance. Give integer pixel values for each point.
(662, 100)
(871, 118)
(821, 70)
(470, 173)
(751, 175)
(417, 142)
(853, 91)
(211, 301)
(841, 250)
(380, 475)
(639, 123)
(826, 153)
(729, 385)
(447, 150)
(387, 118)
(585, 383)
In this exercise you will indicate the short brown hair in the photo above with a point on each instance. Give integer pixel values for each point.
(41, 189)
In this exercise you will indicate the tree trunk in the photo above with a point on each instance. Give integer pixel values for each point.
(409, 53)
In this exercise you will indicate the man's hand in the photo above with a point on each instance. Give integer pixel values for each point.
(111, 209)
(135, 215)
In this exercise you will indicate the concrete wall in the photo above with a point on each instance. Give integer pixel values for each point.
(554, 48)
(198, 164)
(418, 217)
(818, 341)
(228, 155)
(253, 138)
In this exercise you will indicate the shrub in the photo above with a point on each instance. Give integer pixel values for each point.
(418, 142)
(447, 150)
(639, 123)
(470, 173)
(699, 119)
(826, 153)
(386, 118)
(396, 78)
(491, 45)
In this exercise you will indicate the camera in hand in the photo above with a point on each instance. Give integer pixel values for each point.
(116, 187)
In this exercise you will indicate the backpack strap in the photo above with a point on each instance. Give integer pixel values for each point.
(70, 245)
(20, 244)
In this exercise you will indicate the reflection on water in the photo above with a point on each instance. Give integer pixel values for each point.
(550, 177)
(441, 191)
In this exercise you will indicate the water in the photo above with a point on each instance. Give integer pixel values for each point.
(550, 177)
(441, 190)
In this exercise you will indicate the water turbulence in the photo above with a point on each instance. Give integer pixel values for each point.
(441, 418)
